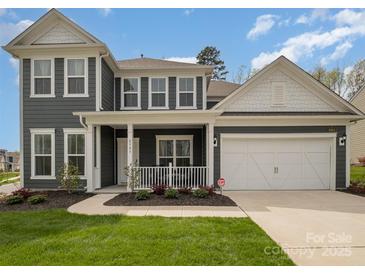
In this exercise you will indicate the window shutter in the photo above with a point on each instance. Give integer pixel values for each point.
(278, 97)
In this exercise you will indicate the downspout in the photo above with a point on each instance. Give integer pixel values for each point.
(100, 80)
(82, 122)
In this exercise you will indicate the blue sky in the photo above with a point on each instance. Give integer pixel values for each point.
(250, 37)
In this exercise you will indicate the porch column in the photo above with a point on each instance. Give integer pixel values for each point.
(210, 145)
(89, 158)
(130, 148)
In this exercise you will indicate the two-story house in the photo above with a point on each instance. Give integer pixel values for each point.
(281, 129)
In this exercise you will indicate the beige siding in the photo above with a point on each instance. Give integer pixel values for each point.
(59, 35)
(358, 130)
(297, 97)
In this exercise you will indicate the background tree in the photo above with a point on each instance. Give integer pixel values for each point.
(211, 56)
(243, 74)
(356, 77)
(334, 79)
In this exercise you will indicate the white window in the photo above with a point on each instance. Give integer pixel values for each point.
(42, 153)
(130, 98)
(278, 96)
(186, 92)
(158, 95)
(42, 82)
(177, 150)
(74, 146)
(76, 84)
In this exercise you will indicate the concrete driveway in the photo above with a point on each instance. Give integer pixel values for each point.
(313, 227)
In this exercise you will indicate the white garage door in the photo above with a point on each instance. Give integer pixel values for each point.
(279, 163)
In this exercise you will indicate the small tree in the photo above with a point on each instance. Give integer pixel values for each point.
(133, 172)
(211, 56)
(68, 177)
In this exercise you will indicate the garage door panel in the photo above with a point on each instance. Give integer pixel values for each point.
(236, 171)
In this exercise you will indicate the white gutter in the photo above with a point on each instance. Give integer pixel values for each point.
(82, 122)
(100, 80)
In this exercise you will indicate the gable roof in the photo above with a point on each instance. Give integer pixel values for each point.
(282, 60)
(357, 93)
(151, 63)
(220, 88)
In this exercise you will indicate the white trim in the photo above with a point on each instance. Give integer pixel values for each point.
(331, 135)
(348, 155)
(122, 107)
(80, 131)
(204, 92)
(32, 77)
(150, 92)
(89, 151)
(178, 93)
(175, 138)
(119, 154)
(45, 131)
(85, 76)
(21, 94)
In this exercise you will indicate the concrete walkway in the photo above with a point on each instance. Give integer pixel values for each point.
(313, 227)
(94, 206)
(9, 188)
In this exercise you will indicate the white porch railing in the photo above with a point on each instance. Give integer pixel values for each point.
(175, 177)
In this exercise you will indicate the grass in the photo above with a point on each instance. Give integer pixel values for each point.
(56, 237)
(8, 175)
(357, 173)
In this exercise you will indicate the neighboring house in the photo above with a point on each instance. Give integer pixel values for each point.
(3, 165)
(9, 161)
(281, 129)
(358, 129)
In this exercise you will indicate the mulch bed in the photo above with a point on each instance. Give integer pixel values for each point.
(354, 191)
(128, 199)
(55, 199)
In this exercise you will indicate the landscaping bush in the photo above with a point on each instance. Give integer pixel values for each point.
(13, 199)
(37, 199)
(171, 193)
(159, 189)
(68, 177)
(209, 189)
(142, 195)
(24, 192)
(200, 193)
(185, 190)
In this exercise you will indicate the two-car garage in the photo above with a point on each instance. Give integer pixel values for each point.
(290, 161)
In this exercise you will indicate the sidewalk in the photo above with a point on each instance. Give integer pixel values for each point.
(94, 206)
(9, 188)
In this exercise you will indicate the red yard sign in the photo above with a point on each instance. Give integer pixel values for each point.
(221, 182)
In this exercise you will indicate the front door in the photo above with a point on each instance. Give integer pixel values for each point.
(122, 158)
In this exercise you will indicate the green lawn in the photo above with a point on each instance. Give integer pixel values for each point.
(357, 172)
(56, 237)
(8, 175)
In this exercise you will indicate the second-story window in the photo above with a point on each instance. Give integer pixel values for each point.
(158, 93)
(76, 78)
(186, 92)
(130, 93)
(42, 84)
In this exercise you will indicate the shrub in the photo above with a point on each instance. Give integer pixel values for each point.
(24, 192)
(13, 199)
(142, 195)
(68, 177)
(37, 199)
(209, 189)
(159, 189)
(133, 172)
(171, 193)
(200, 193)
(185, 190)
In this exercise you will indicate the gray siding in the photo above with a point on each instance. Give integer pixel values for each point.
(107, 87)
(144, 93)
(340, 150)
(172, 92)
(117, 93)
(199, 92)
(52, 113)
(107, 155)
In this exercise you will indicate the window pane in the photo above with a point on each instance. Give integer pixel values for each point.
(76, 85)
(47, 144)
(42, 144)
(71, 142)
(42, 86)
(182, 148)
(42, 67)
(166, 161)
(79, 162)
(158, 100)
(158, 84)
(76, 67)
(43, 165)
(183, 162)
(166, 147)
(186, 99)
(130, 100)
(80, 144)
(38, 144)
(130, 84)
(186, 84)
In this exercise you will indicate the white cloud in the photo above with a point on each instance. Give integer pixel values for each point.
(339, 52)
(15, 65)
(305, 44)
(188, 12)
(191, 60)
(2, 12)
(263, 25)
(316, 14)
(10, 30)
(106, 11)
